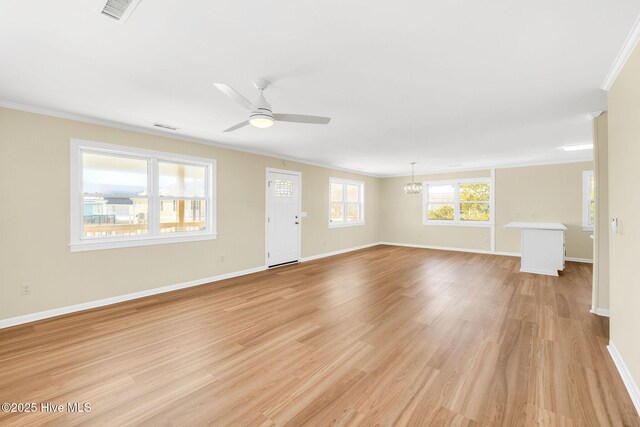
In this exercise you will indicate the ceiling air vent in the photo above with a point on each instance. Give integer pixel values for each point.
(117, 9)
(163, 126)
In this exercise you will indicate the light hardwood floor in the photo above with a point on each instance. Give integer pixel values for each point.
(386, 335)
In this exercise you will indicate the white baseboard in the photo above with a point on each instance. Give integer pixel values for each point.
(627, 379)
(573, 259)
(448, 248)
(19, 320)
(341, 251)
(27, 318)
(600, 311)
(543, 272)
(475, 251)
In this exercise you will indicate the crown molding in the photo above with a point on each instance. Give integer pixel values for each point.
(165, 134)
(488, 168)
(181, 137)
(624, 54)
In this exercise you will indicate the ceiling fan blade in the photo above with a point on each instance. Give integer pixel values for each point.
(299, 118)
(233, 94)
(238, 126)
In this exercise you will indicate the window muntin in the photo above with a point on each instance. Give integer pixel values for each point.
(588, 200)
(128, 197)
(346, 202)
(463, 202)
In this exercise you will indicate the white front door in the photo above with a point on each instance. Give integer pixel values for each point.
(283, 217)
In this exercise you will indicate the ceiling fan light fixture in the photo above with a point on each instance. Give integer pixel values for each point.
(261, 121)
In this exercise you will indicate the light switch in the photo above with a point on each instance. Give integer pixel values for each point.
(303, 214)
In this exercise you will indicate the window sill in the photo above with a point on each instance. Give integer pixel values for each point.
(459, 224)
(345, 224)
(96, 245)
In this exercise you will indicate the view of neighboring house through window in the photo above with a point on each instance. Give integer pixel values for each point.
(115, 195)
(457, 202)
(127, 195)
(182, 190)
(588, 200)
(346, 202)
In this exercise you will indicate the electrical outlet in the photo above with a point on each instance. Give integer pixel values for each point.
(25, 289)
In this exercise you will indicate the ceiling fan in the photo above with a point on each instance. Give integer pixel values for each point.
(260, 114)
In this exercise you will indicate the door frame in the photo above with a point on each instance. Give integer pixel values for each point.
(266, 211)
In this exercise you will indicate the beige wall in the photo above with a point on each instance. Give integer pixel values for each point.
(401, 217)
(624, 204)
(34, 218)
(601, 229)
(549, 193)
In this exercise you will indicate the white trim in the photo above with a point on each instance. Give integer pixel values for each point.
(627, 379)
(266, 210)
(13, 321)
(78, 244)
(490, 166)
(624, 54)
(600, 311)
(448, 248)
(147, 241)
(492, 207)
(341, 251)
(27, 318)
(587, 176)
(166, 134)
(361, 193)
(574, 259)
(456, 221)
(474, 251)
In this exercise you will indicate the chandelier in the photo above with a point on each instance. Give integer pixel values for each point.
(413, 187)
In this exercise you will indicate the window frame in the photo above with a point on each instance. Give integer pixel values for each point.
(344, 222)
(586, 200)
(456, 221)
(153, 235)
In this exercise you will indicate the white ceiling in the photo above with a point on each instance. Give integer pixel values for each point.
(463, 83)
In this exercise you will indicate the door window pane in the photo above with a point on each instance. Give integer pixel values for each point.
(114, 216)
(283, 188)
(113, 175)
(181, 180)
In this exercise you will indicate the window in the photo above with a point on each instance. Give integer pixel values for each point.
(346, 202)
(588, 200)
(464, 202)
(124, 197)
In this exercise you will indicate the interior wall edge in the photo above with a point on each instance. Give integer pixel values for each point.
(625, 374)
